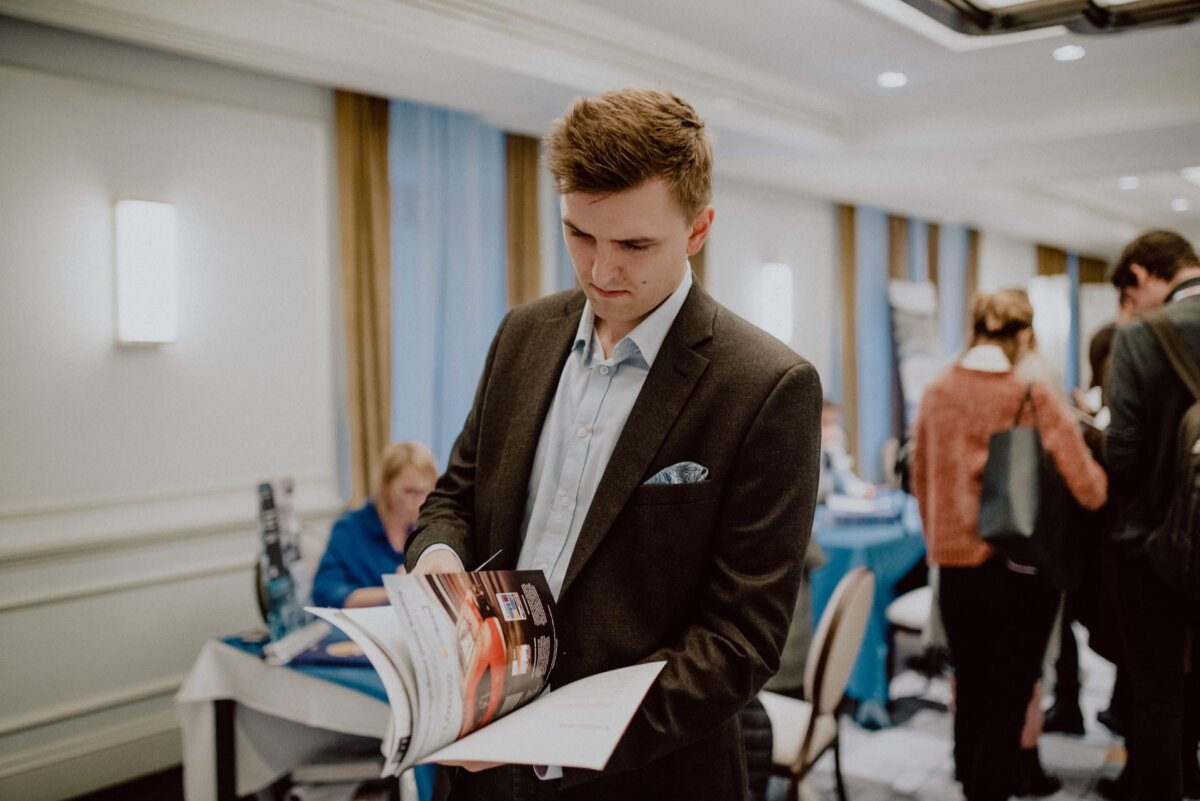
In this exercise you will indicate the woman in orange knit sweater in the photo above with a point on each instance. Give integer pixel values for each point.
(997, 614)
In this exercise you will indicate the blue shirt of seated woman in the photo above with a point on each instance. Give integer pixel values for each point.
(368, 542)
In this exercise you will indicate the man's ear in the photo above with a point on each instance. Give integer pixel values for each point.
(1140, 274)
(701, 225)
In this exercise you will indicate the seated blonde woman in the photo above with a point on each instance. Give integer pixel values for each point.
(369, 542)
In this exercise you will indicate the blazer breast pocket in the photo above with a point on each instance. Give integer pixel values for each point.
(674, 494)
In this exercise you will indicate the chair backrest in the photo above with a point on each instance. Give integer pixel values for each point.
(837, 640)
(312, 548)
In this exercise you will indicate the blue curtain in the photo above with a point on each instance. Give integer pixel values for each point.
(449, 281)
(874, 334)
(952, 288)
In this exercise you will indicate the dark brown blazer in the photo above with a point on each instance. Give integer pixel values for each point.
(702, 575)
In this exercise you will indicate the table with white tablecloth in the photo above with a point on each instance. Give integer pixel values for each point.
(273, 718)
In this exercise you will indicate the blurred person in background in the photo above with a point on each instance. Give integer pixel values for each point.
(1160, 273)
(370, 541)
(837, 466)
(997, 614)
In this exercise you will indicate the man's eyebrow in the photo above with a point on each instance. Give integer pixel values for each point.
(638, 241)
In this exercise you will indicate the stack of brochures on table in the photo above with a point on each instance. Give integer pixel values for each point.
(466, 659)
(880, 509)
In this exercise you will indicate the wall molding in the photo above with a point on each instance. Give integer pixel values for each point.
(97, 588)
(104, 525)
(108, 738)
(98, 702)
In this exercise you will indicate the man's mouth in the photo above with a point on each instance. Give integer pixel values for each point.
(604, 293)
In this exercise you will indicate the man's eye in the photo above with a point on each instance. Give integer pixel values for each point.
(635, 247)
(580, 235)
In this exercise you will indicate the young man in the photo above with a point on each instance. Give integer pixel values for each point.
(1147, 400)
(654, 454)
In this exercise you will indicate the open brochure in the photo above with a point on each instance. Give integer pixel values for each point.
(465, 659)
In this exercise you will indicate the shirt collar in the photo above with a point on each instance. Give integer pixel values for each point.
(647, 338)
(1188, 289)
(986, 359)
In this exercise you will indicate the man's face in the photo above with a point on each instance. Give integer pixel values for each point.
(1148, 293)
(628, 249)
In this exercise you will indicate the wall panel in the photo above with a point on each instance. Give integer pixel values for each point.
(127, 502)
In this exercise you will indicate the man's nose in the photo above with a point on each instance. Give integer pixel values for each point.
(606, 266)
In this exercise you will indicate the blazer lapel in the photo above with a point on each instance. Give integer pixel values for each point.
(668, 386)
(536, 380)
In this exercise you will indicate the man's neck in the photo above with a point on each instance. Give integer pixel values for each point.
(609, 334)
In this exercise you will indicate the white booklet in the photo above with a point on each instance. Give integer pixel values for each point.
(465, 659)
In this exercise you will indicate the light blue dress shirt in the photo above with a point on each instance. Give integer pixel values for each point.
(589, 410)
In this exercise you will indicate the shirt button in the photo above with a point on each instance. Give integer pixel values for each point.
(581, 433)
(605, 369)
(564, 501)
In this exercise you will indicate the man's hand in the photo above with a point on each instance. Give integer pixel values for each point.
(441, 560)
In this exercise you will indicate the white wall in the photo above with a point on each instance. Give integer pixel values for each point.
(1005, 261)
(127, 503)
(754, 226)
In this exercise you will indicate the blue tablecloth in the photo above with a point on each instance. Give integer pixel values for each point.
(362, 679)
(889, 549)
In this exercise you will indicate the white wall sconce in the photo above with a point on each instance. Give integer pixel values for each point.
(147, 273)
(776, 300)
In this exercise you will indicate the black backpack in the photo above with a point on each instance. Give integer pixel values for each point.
(1174, 547)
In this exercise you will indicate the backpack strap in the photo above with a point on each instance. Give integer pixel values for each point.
(1168, 338)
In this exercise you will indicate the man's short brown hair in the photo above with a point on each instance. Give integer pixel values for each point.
(620, 139)
(1162, 253)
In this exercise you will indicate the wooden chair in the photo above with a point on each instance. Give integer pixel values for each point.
(804, 730)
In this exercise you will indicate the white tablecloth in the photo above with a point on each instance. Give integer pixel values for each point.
(284, 718)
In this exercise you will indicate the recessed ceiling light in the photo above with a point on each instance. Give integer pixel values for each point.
(1180, 204)
(1129, 182)
(891, 80)
(1068, 53)
(1191, 174)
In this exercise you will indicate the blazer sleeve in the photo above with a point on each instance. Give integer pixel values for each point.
(722, 659)
(1124, 454)
(448, 516)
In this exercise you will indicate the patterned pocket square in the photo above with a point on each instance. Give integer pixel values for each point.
(682, 473)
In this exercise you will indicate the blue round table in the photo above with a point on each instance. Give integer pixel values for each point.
(889, 548)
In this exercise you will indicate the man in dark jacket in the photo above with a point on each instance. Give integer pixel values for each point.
(1158, 270)
(653, 454)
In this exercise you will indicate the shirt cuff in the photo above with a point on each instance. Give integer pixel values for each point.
(438, 546)
(547, 772)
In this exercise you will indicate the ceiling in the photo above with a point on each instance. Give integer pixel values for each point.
(990, 131)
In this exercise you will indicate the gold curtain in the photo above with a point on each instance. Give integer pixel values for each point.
(897, 247)
(524, 253)
(1051, 261)
(365, 245)
(971, 280)
(932, 248)
(1092, 271)
(846, 269)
